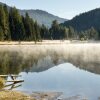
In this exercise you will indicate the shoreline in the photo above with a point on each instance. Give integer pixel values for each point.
(23, 46)
(33, 43)
(13, 95)
(17, 95)
(47, 42)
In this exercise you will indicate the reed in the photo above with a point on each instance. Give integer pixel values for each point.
(2, 82)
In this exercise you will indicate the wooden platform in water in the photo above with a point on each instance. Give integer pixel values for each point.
(16, 81)
(10, 75)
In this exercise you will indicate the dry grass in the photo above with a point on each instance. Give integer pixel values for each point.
(13, 95)
(1, 83)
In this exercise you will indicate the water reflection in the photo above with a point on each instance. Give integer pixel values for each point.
(14, 62)
(64, 78)
(44, 60)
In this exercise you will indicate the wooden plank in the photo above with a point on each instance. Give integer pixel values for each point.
(10, 75)
(16, 86)
(3, 75)
(9, 85)
(16, 81)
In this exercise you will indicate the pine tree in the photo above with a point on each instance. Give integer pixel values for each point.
(65, 32)
(44, 32)
(27, 25)
(11, 24)
(55, 30)
(2, 22)
(32, 35)
(17, 27)
(7, 29)
(37, 32)
(71, 32)
(1, 34)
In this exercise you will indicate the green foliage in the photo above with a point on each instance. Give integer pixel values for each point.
(87, 23)
(60, 32)
(15, 27)
(44, 32)
(91, 34)
(56, 31)
(1, 34)
(7, 28)
(2, 22)
(85, 20)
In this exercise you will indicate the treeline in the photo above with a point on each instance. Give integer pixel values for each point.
(87, 24)
(61, 32)
(85, 20)
(14, 27)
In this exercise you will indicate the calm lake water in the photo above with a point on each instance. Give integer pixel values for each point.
(64, 78)
(59, 69)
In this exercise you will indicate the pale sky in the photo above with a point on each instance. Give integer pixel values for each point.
(62, 8)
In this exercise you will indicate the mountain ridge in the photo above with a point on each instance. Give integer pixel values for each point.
(41, 16)
(85, 20)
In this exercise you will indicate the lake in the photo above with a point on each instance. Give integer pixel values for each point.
(72, 69)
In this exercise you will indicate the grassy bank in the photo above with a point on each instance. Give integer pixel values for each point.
(32, 42)
(47, 42)
(13, 95)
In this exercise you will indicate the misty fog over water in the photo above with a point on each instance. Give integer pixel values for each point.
(69, 68)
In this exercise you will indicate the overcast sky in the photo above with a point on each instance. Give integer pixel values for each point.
(62, 8)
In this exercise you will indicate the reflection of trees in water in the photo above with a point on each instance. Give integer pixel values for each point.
(85, 64)
(93, 67)
(11, 63)
(14, 62)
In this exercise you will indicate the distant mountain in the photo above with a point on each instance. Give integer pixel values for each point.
(4, 4)
(85, 20)
(42, 17)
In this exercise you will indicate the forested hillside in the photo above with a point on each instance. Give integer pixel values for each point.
(42, 17)
(86, 24)
(15, 27)
(85, 20)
